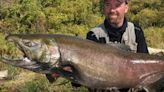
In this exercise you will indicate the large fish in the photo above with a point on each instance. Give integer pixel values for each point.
(93, 65)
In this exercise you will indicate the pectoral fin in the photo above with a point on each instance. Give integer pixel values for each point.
(151, 78)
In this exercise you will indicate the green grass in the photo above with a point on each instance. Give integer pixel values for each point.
(155, 37)
(27, 81)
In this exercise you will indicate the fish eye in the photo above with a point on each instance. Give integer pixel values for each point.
(30, 43)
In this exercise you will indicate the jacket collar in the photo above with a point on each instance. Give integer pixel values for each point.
(121, 29)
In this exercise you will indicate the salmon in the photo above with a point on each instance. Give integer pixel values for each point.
(93, 64)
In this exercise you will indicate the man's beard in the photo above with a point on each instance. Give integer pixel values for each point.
(113, 20)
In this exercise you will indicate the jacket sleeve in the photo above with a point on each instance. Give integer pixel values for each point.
(140, 39)
(91, 36)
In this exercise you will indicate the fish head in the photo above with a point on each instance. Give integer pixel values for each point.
(39, 53)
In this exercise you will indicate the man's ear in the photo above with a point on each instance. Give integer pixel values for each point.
(126, 8)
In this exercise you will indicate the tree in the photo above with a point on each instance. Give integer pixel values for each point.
(147, 13)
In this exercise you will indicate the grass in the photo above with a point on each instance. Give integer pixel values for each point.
(27, 81)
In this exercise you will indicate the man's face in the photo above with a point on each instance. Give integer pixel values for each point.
(115, 10)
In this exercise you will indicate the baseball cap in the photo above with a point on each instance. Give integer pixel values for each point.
(121, 1)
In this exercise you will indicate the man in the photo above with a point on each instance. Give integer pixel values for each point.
(117, 29)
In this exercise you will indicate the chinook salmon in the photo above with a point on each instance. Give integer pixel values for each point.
(93, 65)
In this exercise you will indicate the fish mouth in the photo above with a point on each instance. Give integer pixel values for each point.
(22, 60)
(26, 63)
(34, 55)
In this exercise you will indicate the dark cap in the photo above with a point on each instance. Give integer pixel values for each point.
(121, 1)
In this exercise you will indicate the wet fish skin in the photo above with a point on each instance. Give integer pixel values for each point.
(95, 65)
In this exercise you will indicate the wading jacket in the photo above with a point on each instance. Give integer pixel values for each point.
(128, 34)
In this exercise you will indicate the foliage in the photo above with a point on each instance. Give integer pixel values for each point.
(55, 16)
(42, 16)
(22, 16)
(35, 85)
(75, 14)
(74, 17)
(155, 37)
(147, 12)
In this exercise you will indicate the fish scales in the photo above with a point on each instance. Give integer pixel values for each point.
(96, 65)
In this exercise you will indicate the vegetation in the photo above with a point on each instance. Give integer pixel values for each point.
(73, 17)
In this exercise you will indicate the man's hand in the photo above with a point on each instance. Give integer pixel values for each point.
(53, 77)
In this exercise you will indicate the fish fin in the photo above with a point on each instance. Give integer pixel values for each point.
(151, 78)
